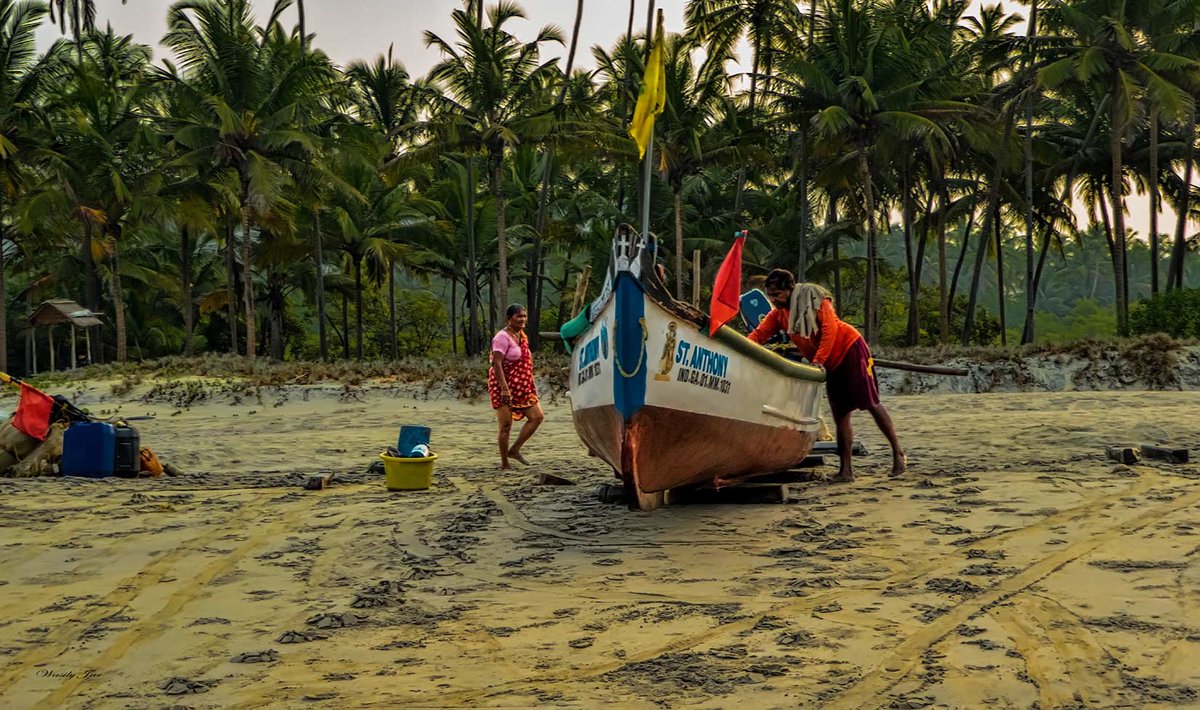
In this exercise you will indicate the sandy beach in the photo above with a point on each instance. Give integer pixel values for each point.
(1012, 567)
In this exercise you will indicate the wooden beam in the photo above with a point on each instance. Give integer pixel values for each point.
(927, 369)
(1162, 453)
(74, 356)
(51, 332)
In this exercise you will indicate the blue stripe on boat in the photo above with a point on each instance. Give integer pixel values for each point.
(629, 347)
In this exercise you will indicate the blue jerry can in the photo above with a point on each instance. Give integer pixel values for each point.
(89, 450)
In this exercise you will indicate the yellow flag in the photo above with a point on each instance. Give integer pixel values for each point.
(653, 97)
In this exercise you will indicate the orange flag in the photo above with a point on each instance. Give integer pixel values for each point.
(727, 290)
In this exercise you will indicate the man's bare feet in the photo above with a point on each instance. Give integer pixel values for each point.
(899, 464)
(514, 454)
(505, 467)
(841, 477)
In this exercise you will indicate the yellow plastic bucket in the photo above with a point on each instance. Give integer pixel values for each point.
(408, 474)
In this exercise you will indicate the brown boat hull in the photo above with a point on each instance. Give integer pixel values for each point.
(660, 449)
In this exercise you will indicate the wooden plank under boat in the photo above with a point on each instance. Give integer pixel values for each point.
(668, 406)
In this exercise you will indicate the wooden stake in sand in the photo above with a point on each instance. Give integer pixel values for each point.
(581, 284)
(696, 278)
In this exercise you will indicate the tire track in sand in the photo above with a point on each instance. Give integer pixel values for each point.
(59, 641)
(1085, 513)
(1060, 656)
(190, 590)
(872, 689)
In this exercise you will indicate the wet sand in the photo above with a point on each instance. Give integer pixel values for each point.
(1012, 566)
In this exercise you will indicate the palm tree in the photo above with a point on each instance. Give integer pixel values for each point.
(258, 98)
(690, 136)
(106, 168)
(770, 26)
(863, 86)
(494, 98)
(1106, 50)
(23, 79)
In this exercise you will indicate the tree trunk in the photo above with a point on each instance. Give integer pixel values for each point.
(319, 258)
(1179, 248)
(910, 273)
(454, 314)
(3, 302)
(678, 244)
(1118, 207)
(358, 309)
(812, 22)
(1000, 278)
(231, 286)
(95, 303)
(943, 291)
(345, 326)
(1027, 333)
(830, 220)
(497, 161)
(741, 173)
(303, 33)
(871, 303)
(533, 289)
(248, 285)
(472, 344)
(914, 318)
(392, 308)
(988, 218)
(962, 255)
(275, 302)
(802, 237)
(1030, 33)
(118, 297)
(1153, 184)
(185, 265)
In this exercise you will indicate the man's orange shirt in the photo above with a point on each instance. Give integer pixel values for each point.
(832, 342)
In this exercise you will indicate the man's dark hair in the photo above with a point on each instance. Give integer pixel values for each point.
(780, 279)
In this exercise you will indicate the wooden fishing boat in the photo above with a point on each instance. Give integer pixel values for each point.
(666, 405)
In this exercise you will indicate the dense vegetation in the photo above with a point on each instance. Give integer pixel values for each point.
(249, 196)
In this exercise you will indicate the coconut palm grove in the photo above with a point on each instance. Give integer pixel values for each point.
(953, 174)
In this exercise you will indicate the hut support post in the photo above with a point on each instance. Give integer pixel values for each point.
(87, 340)
(51, 335)
(34, 349)
(74, 357)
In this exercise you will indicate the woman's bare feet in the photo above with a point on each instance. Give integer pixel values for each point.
(899, 464)
(505, 466)
(514, 454)
(843, 476)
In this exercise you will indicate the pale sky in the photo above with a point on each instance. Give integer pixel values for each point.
(362, 29)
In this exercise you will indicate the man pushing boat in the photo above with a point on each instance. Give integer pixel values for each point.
(805, 312)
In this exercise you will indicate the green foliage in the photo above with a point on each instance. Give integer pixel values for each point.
(1176, 313)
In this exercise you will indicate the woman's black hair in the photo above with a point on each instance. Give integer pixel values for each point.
(513, 310)
(780, 279)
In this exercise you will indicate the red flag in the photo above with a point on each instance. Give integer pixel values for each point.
(33, 412)
(727, 290)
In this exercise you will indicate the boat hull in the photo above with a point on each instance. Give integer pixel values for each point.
(667, 405)
(659, 449)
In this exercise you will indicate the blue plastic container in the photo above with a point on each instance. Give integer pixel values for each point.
(410, 437)
(755, 307)
(89, 450)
